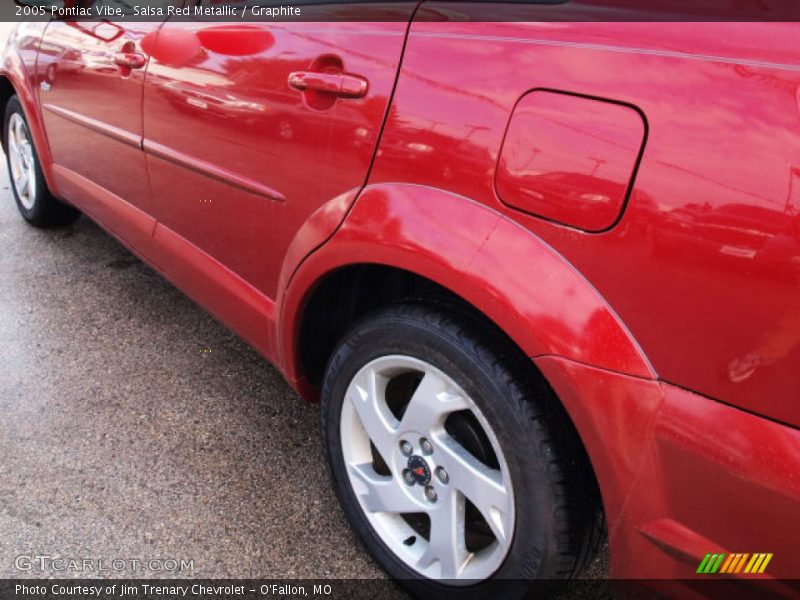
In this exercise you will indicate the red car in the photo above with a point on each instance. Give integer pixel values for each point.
(543, 277)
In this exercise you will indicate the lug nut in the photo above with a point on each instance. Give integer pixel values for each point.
(406, 448)
(408, 477)
(442, 475)
(427, 447)
(430, 493)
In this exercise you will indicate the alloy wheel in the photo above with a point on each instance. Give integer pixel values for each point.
(427, 470)
(21, 161)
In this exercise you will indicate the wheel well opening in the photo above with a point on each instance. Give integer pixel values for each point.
(6, 91)
(348, 294)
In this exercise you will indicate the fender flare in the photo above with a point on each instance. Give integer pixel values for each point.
(512, 276)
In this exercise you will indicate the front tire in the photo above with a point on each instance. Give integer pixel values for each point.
(452, 459)
(35, 202)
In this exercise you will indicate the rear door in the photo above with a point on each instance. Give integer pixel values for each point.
(252, 127)
(90, 89)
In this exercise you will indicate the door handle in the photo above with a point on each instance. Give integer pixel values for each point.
(131, 60)
(337, 84)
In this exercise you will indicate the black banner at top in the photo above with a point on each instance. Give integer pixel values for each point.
(349, 10)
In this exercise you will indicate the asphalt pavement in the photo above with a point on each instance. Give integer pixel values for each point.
(134, 426)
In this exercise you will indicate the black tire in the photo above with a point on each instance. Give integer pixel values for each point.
(559, 530)
(45, 210)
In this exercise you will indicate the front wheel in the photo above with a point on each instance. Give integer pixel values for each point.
(35, 202)
(453, 464)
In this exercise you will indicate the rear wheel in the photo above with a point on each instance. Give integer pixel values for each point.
(34, 201)
(452, 461)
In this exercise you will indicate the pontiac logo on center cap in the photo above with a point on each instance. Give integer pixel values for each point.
(419, 468)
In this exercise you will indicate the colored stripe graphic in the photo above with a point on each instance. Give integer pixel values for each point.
(716, 564)
(755, 559)
(730, 566)
(741, 563)
(767, 558)
(735, 563)
(703, 563)
(727, 564)
(710, 563)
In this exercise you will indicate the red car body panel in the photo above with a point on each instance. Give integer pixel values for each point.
(270, 157)
(91, 110)
(715, 201)
(682, 475)
(257, 191)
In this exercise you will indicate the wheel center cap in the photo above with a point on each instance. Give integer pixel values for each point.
(419, 469)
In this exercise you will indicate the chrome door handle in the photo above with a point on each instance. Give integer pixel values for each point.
(131, 60)
(341, 85)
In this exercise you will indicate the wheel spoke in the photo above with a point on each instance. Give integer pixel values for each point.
(483, 486)
(24, 188)
(13, 150)
(19, 131)
(27, 153)
(12, 141)
(16, 167)
(446, 544)
(17, 180)
(430, 404)
(374, 414)
(380, 493)
(30, 184)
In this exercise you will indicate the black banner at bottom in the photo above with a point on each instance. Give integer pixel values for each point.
(369, 589)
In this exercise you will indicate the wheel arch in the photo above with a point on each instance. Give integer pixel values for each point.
(485, 262)
(16, 79)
